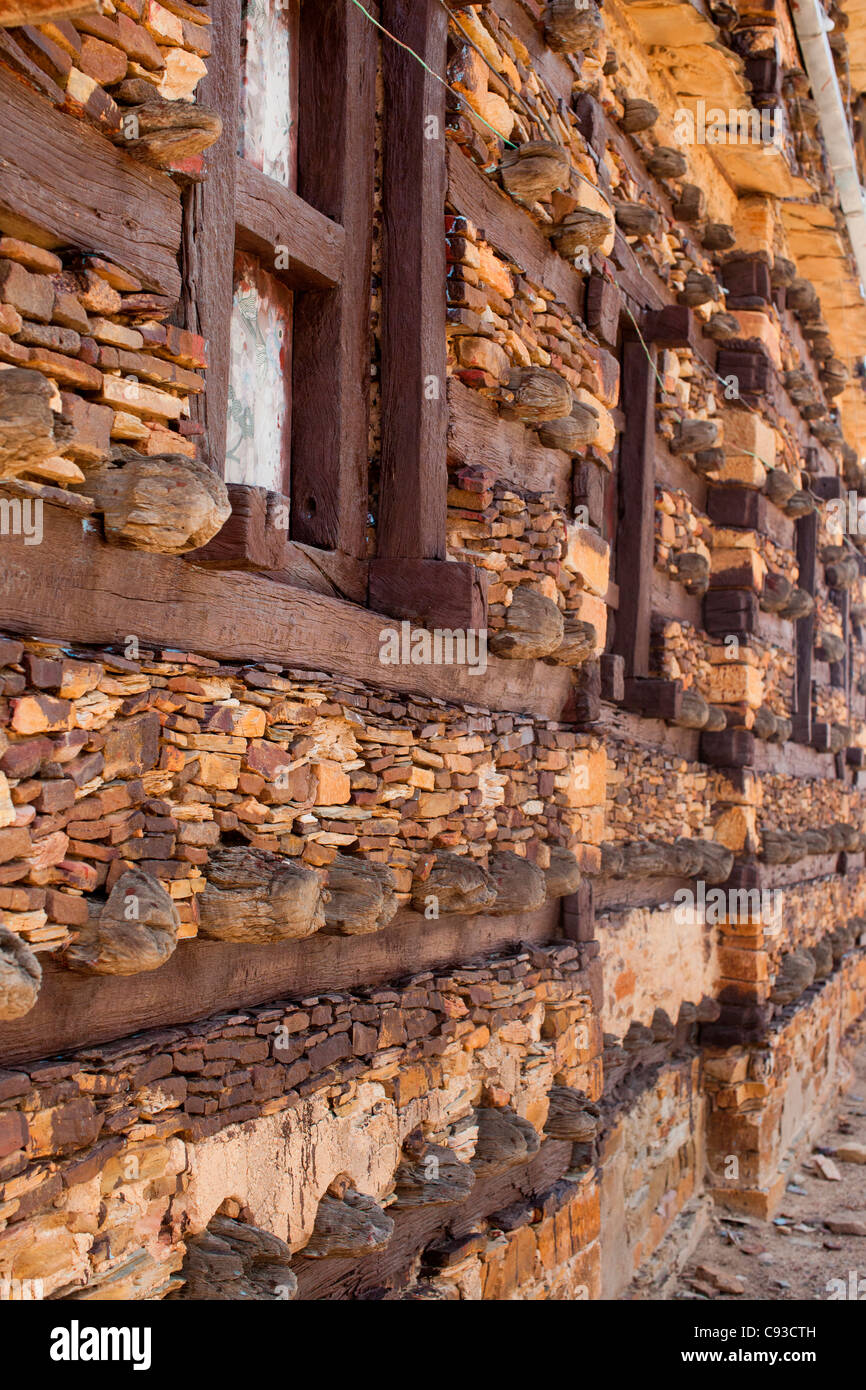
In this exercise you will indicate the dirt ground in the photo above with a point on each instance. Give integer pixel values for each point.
(795, 1256)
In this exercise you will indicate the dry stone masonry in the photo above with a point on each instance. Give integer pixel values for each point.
(337, 962)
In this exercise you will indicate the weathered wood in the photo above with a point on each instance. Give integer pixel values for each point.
(603, 308)
(579, 643)
(64, 184)
(504, 1141)
(536, 395)
(692, 435)
(634, 561)
(572, 25)
(636, 219)
(728, 748)
(581, 232)
(135, 931)
(533, 628)
(167, 132)
(202, 977)
(255, 538)
(270, 217)
(96, 594)
(232, 1260)
(353, 1225)
(416, 1228)
(562, 877)
(455, 883)
(256, 897)
(361, 896)
(412, 486)
(331, 330)
(166, 503)
(434, 593)
(742, 506)
(732, 611)
(210, 239)
(657, 699)
(664, 162)
(571, 432)
(432, 1175)
(519, 884)
(533, 170)
(638, 114)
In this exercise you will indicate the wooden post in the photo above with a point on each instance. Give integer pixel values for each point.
(331, 350)
(210, 231)
(636, 527)
(807, 541)
(413, 475)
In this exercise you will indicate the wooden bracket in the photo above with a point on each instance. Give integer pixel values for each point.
(603, 309)
(655, 699)
(730, 611)
(434, 593)
(807, 548)
(728, 748)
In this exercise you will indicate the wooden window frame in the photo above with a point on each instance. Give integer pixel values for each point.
(326, 228)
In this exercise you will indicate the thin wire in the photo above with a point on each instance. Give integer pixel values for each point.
(428, 69)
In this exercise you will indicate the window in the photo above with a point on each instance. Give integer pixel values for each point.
(282, 234)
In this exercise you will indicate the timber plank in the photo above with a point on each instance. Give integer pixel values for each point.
(807, 548)
(211, 239)
(636, 509)
(205, 977)
(331, 330)
(64, 184)
(412, 479)
(75, 586)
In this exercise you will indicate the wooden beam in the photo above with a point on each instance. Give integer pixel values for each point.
(63, 184)
(807, 557)
(743, 506)
(412, 477)
(268, 216)
(657, 699)
(636, 529)
(74, 586)
(202, 977)
(211, 239)
(332, 349)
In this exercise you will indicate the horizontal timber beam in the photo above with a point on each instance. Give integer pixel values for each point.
(205, 977)
(75, 587)
(63, 184)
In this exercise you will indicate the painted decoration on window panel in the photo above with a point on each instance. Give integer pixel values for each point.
(259, 422)
(267, 115)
